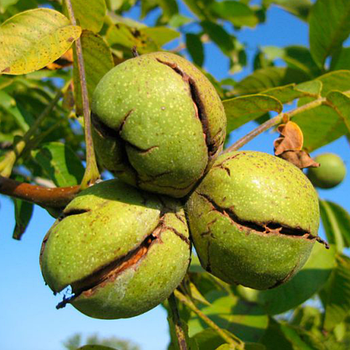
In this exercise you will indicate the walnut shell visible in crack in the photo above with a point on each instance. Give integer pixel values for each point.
(253, 219)
(158, 123)
(121, 250)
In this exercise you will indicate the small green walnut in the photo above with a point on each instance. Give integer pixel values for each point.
(122, 251)
(253, 219)
(158, 123)
(331, 172)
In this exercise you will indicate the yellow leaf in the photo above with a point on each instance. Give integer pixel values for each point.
(32, 39)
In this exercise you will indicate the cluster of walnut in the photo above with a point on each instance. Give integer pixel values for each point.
(124, 245)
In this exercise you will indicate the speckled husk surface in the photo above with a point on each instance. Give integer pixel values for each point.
(122, 251)
(254, 219)
(158, 123)
(331, 172)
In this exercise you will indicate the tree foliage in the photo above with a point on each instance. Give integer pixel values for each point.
(42, 138)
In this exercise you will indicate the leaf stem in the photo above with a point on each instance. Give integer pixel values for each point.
(232, 340)
(11, 156)
(91, 171)
(180, 333)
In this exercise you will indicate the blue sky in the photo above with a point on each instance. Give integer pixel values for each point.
(28, 317)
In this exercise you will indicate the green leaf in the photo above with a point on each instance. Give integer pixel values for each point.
(299, 8)
(23, 214)
(160, 35)
(199, 8)
(23, 118)
(95, 347)
(336, 223)
(299, 57)
(5, 4)
(286, 337)
(284, 94)
(313, 87)
(123, 36)
(240, 110)
(208, 339)
(219, 36)
(89, 17)
(169, 8)
(195, 48)
(341, 103)
(98, 61)
(266, 78)
(342, 61)
(60, 163)
(32, 39)
(301, 287)
(246, 320)
(336, 294)
(237, 13)
(320, 125)
(338, 80)
(329, 27)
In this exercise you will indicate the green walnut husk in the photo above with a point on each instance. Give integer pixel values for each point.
(331, 172)
(158, 123)
(122, 251)
(253, 219)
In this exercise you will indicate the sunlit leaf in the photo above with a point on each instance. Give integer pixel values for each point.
(237, 13)
(240, 110)
(160, 35)
(301, 287)
(336, 294)
(299, 8)
(336, 223)
(338, 80)
(286, 93)
(89, 17)
(169, 8)
(22, 117)
(267, 78)
(245, 320)
(123, 36)
(341, 103)
(313, 87)
(60, 164)
(97, 61)
(320, 125)
(32, 39)
(329, 27)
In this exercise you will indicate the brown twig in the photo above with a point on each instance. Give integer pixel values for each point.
(57, 197)
(180, 334)
(91, 172)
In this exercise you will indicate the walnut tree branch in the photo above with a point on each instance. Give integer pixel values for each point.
(57, 197)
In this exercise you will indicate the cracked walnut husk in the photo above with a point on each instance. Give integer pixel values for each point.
(121, 251)
(253, 219)
(158, 123)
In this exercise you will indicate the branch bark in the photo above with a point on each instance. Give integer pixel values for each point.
(57, 197)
